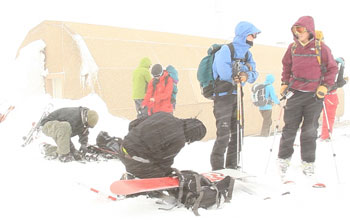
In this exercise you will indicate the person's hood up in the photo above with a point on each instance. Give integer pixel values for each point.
(269, 79)
(145, 62)
(307, 22)
(243, 29)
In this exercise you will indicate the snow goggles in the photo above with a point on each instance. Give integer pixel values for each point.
(254, 35)
(299, 29)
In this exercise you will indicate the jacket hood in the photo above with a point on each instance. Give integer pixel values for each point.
(269, 79)
(243, 29)
(145, 62)
(307, 22)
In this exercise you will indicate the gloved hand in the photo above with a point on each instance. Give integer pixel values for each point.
(83, 148)
(241, 77)
(321, 91)
(283, 89)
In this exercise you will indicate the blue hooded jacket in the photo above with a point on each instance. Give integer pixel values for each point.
(270, 92)
(222, 65)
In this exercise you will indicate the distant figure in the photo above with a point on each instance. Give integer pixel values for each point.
(65, 123)
(174, 75)
(159, 91)
(331, 101)
(266, 111)
(140, 78)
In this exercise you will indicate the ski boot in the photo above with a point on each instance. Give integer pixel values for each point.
(66, 157)
(127, 176)
(308, 168)
(283, 165)
(49, 151)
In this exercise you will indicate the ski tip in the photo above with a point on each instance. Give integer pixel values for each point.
(285, 193)
(319, 185)
(289, 182)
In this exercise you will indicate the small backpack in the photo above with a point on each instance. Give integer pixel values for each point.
(205, 70)
(172, 72)
(258, 95)
(108, 144)
(196, 191)
(340, 79)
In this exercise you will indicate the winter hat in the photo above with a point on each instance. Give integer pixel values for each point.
(157, 70)
(92, 118)
(194, 130)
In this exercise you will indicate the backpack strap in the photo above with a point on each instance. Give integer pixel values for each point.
(232, 50)
(166, 79)
(318, 55)
(201, 193)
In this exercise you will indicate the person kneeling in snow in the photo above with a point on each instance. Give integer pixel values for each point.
(65, 123)
(149, 149)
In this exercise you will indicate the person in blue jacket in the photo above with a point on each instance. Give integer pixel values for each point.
(225, 101)
(173, 74)
(266, 110)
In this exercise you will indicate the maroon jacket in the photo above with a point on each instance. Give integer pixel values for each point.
(308, 67)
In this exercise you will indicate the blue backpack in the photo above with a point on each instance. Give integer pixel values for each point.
(258, 95)
(205, 70)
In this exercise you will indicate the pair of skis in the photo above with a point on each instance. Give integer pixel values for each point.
(3, 116)
(36, 126)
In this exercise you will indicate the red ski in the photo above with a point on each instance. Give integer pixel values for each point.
(3, 116)
(132, 186)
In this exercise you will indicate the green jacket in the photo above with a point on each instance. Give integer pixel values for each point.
(140, 78)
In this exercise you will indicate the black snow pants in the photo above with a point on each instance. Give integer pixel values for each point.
(305, 108)
(225, 112)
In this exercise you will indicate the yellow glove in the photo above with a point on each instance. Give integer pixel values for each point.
(283, 89)
(321, 91)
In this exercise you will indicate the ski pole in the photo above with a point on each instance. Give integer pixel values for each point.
(241, 132)
(238, 122)
(99, 192)
(331, 141)
(275, 132)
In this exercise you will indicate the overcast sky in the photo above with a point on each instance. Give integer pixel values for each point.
(193, 17)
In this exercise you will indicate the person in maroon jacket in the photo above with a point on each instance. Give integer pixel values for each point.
(308, 73)
(159, 91)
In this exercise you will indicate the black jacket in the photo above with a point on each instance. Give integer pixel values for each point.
(77, 118)
(159, 138)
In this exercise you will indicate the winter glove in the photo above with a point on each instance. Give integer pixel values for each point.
(321, 91)
(241, 77)
(83, 148)
(283, 89)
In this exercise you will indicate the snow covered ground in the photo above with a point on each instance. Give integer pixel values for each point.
(34, 188)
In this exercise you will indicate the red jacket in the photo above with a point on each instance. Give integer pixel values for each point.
(308, 67)
(161, 94)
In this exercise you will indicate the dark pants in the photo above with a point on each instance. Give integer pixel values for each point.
(144, 170)
(303, 108)
(267, 122)
(141, 112)
(225, 112)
